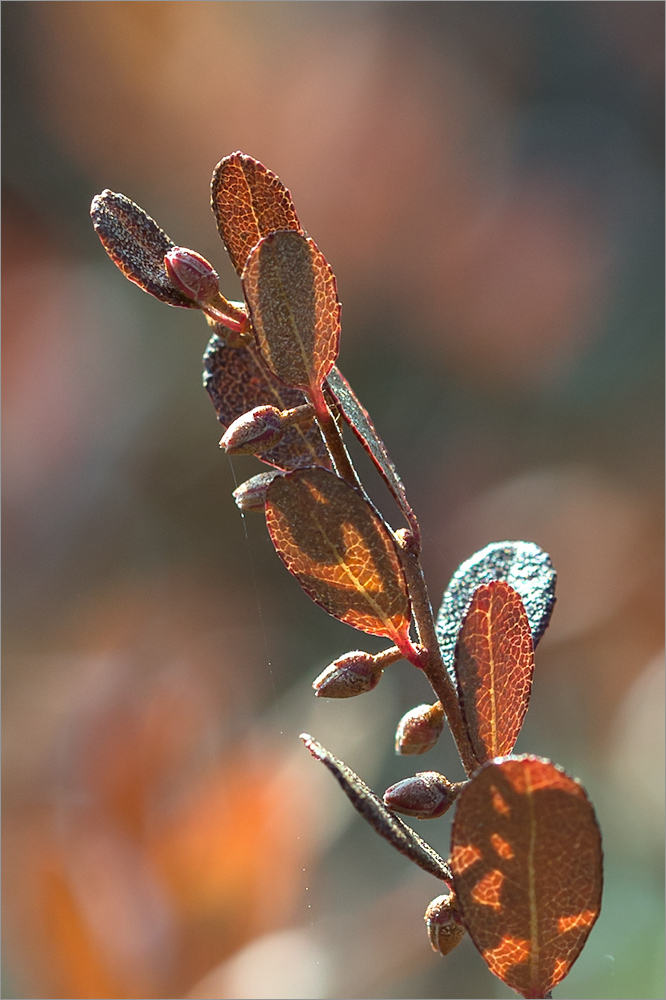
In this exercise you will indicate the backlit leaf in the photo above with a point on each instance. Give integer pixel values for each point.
(237, 381)
(249, 202)
(527, 868)
(137, 245)
(339, 550)
(381, 819)
(494, 665)
(290, 289)
(523, 565)
(359, 420)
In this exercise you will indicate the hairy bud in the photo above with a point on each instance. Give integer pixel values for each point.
(251, 495)
(419, 729)
(349, 675)
(427, 795)
(444, 923)
(192, 274)
(257, 430)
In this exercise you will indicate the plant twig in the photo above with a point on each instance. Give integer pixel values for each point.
(430, 660)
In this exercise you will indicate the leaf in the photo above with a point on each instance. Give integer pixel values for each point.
(359, 421)
(291, 293)
(381, 819)
(527, 868)
(137, 245)
(494, 665)
(339, 550)
(237, 381)
(523, 565)
(249, 202)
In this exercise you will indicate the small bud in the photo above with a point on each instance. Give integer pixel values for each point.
(257, 430)
(444, 923)
(419, 729)
(251, 495)
(192, 274)
(349, 675)
(426, 795)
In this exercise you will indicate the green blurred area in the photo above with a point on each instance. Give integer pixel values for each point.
(487, 182)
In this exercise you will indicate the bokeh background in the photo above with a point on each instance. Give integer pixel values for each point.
(486, 180)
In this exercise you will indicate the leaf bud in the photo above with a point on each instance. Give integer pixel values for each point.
(192, 274)
(427, 795)
(251, 495)
(419, 729)
(255, 431)
(444, 923)
(349, 675)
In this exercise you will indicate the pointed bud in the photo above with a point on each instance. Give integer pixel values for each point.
(255, 431)
(427, 795)
(419, 729)
(444, 923)
(192, 274)
(349, 675)
(251, 495)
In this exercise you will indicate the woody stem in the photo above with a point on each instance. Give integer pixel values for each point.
(333, 438)
(430, 659)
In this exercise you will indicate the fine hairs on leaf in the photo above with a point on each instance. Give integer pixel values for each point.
(524, 872)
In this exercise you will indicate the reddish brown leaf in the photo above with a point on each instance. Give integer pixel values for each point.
(236, 382)
(137, 245)
(339, 550)
(494, 665)
(527, 869)
(525, 566)
(249, 202)
(291, 292)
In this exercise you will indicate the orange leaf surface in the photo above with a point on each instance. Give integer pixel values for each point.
(291, 293)
(249, 202)
(339, 550)
(494, 664)
(527, 868)
(236, 382)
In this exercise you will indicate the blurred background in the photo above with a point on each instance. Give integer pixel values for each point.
(486, 180)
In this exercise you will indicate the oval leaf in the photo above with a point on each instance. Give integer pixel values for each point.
(494, 665)
(249, 202)
(339, 550)
(237, 381)
(137, 245)
(359, 420)
(292, 296)
(380, 818)
(523, 565)
(527, 869)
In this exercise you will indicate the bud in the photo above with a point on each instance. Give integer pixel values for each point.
(192, 274)
(251, 495)
(257, 430)
(349, 675)
(419, 729)
(444, 923)
(427, 795)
